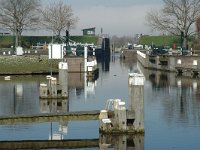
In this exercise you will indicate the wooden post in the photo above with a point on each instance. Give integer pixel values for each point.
(136, 99)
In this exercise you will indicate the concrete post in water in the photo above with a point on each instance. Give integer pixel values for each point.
(105, 122)
(43, 90)
(53, 87)
(136, 99)
(120, 114)
(63, 78)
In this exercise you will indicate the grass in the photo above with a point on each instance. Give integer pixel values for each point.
(28, 41)
(159, 40)
(84, 39)
(20, 64)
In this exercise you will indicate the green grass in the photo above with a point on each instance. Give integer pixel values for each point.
(84, 39)
(28, 41)
(159, 40)
(6, 41)
(32, 64)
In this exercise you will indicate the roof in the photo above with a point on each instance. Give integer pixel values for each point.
(88, 28)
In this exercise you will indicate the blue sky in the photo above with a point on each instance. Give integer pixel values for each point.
(116, 17)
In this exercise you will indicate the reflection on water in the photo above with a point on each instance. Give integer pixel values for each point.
(172, 107)
(178, 96)
(19, 98)
(121, 142)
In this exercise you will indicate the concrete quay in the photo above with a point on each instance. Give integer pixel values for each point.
(49, 117)
(185, 65)
(39, 144)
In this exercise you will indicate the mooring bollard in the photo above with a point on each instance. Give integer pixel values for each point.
(122, 120)
(136, 99)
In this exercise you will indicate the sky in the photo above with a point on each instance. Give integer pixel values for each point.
(115, 17)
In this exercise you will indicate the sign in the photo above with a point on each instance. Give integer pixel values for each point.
(56, 51)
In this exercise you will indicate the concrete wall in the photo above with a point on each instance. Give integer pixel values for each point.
(75, 64)
(191, 62)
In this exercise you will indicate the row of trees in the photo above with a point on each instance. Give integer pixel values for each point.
(177, 17)
(119, 42)
(20, 15)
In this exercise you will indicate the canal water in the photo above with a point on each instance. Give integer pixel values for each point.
(171, 103)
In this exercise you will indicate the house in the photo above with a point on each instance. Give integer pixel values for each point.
(89, 31)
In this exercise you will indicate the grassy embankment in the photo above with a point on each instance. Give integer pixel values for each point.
(33, 64)
(26, 65)
(28, 41)
(164, 41)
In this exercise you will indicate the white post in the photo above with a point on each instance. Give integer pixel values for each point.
(53, 87)
(63, 78)
(85, 58)
(93, 51)
(136, 99)
(43, 90)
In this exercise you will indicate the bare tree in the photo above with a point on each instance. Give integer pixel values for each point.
(58, 17)
(176, 17)
(18, 15)
(119, 42)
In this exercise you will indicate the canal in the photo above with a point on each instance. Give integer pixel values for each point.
(172, 110)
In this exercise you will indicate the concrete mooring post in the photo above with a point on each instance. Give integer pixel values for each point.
(43, 90)
(53, 90)
(118, 119)
(63, 78)
(136, 99)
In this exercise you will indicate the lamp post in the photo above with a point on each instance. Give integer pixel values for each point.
(182, 39)
(67, 38)
(67, 41)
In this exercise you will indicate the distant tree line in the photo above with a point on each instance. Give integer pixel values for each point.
(119, 42)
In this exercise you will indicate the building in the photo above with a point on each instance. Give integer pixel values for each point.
(89, 31)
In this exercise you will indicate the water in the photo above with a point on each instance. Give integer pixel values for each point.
(172, 108)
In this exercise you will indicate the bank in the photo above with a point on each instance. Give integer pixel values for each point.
(185, 65)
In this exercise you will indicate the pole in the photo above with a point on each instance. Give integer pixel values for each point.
(182, 39)
(51, 58)
(67, 40)
(85, 59)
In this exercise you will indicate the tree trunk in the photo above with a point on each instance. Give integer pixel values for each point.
(20, 40)
(16, 40)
